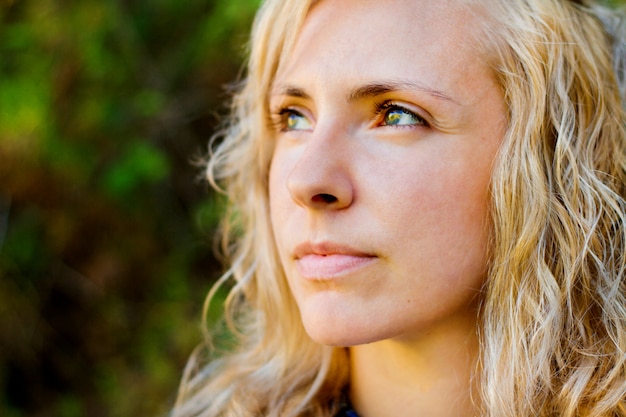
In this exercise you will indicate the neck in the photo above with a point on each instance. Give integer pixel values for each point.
(430, 375)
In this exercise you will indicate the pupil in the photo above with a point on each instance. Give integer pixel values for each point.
(394, 117)
(292, 120)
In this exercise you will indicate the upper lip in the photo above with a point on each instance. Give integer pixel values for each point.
(327, 248)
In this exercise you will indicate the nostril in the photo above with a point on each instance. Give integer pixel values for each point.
(324, 198)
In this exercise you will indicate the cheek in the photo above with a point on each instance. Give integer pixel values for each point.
(275, 192)
(444, 187)
(279, 197)
(443, 213)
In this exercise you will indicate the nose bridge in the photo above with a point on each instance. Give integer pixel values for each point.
(321, 177)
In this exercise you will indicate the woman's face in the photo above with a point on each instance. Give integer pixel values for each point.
(387, 121)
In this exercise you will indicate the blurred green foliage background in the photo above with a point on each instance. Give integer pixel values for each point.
(105, 223)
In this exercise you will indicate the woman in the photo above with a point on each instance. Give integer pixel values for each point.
(427, 213)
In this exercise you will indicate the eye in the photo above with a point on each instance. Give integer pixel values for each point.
(291, 119)
(394, 115)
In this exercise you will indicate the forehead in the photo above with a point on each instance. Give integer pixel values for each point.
(415, 17)
(434, 41)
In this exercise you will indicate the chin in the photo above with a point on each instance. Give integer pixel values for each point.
(335, 320)
(342, 333)
(338, 340)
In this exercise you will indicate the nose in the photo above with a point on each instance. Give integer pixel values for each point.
(320, 178)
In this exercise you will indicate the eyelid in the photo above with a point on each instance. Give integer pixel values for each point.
(381, 107)
(278, 114)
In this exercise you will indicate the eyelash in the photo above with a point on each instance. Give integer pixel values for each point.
(279, 122)
(385, 106)
(278, 118)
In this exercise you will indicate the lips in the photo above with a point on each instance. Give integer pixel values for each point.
(328, 261)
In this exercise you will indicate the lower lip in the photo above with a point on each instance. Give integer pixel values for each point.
(326, 267)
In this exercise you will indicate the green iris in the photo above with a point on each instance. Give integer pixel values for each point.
(401, 117)
(296, 121)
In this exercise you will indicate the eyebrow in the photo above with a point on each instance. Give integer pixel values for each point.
(372, 90)
(380, 88)
(291, 91)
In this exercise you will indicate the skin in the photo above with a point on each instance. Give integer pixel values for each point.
(388, 120)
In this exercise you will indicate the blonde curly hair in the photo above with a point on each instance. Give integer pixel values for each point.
(553, 319)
